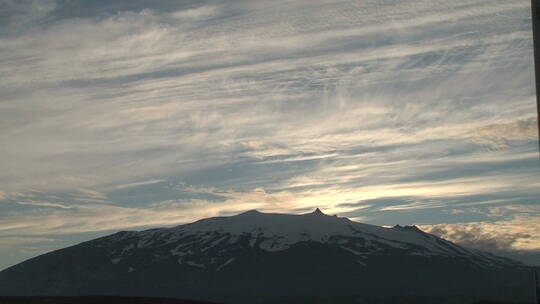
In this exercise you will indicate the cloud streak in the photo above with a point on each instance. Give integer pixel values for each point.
(105, 110)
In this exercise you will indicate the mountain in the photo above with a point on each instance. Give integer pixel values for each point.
(256, 257)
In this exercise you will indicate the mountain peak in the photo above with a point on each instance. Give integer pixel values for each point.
(409, 228)
(317, 212)
(250, 212)
(232, 251)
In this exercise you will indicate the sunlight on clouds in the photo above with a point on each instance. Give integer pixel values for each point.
(136, 184)
(519, 233)
(498, 135)
(279, 106)
(44, 204)
(197, 14)
(333, 200)
(85, 218)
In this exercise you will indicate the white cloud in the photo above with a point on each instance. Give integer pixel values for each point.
(136, 184)
(197, 14)
(520, 232)
(44, 204)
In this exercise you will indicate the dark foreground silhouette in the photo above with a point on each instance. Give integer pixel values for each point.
(95, 300)
(148, 300)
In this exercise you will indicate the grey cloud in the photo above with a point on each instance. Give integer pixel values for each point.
(17, 16)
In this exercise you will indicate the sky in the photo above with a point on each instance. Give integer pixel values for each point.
(128, 115)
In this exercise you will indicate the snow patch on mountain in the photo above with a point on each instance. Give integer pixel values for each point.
(213, 243)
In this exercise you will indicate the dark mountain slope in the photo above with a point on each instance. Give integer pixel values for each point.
(267, 258)
(94, 300)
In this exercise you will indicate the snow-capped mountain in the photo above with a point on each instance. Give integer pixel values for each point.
(264, 257)
(210, 243)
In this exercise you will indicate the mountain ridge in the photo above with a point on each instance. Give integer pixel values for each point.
(274, 256)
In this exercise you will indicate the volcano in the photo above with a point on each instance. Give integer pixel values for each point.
(256, 257)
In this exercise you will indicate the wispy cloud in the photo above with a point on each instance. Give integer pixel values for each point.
(502, 135)
(44, 204)
(280, 107)
(21, 15)
(19, 240)
(137, 184)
